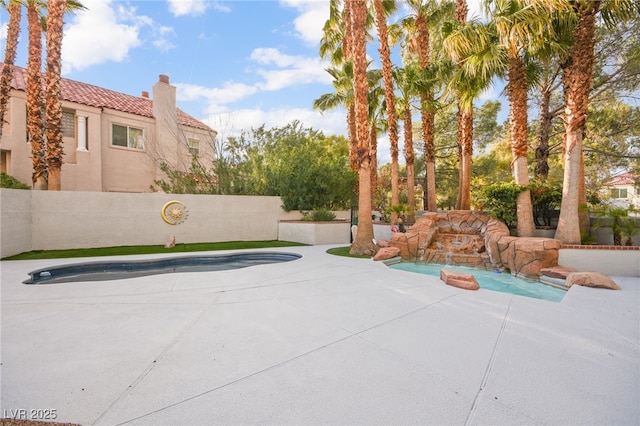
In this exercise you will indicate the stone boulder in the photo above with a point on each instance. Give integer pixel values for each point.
(171, 242)
(560, 272)
(591, 279)
(386, 253)
(525, 257)
(461, 280)
(383, 243)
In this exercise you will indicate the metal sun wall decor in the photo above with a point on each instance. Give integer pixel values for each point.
(174, 212)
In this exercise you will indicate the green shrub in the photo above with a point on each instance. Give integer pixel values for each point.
(319, 215)
(545, 199)
(500, 201)
(7, 181)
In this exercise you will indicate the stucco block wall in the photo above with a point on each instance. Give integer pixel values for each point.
(315, 233)
(45, 220)
(15, 221)
(608, 261)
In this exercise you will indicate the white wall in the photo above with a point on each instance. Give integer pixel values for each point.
(15, 221)
(607, 261)
(315, 233)
(45, 220)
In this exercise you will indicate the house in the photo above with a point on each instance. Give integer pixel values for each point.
(112, 142)
(623, 190)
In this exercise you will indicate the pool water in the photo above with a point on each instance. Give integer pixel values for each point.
(119, 269)
(489, 280)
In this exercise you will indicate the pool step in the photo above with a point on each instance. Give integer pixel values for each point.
(556, 276)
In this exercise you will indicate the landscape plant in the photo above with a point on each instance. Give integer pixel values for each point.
(7, 181)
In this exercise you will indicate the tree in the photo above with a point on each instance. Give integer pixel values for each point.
(389, 91)
(419, 43)
(14, 7)
(55, 22)
(35, 118)
(363, 242)
(519, 26)
(35, 103)
(466, 92)
(577, 73)
(336, 44)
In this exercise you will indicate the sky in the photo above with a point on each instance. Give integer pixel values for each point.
(236, 65)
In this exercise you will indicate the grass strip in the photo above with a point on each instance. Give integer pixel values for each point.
(129, 250)
(344, 251)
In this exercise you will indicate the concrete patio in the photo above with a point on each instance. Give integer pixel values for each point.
(319, 340)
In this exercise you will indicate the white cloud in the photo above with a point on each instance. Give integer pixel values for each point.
(309, 23)
(3, 31)
(289, 71)
(228, 93)
(84, 41)
(330, 123)
(187, 7)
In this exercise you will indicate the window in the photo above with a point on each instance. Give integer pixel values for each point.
(618, 193)
(194, 146)
(128, 137)
(68, 124)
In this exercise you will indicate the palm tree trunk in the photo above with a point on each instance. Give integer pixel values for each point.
(35, 106)
(541, 171)
(517, 92)
(373, 143)
(465, 138)
(577, 75)
(409, 160)
(363, 241)
(465, 132)
(431, 203)
(427, 116)
(11, 46)
(387, 76)
(55, 153)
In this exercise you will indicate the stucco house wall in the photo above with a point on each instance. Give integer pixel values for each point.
(91, 161)
(618, 185)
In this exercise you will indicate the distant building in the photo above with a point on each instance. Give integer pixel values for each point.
(112, 141)
(623, 190)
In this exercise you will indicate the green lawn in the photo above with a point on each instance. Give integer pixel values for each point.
(344, 251)
(126, 250)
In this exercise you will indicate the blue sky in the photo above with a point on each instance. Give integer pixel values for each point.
(236, 64)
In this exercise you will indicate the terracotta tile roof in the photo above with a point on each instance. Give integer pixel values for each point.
(628, 178)
(87, 94)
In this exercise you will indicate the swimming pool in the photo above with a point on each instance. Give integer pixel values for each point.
(115, 270)
(496, 281)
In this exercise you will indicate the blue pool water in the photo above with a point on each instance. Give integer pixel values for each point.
(115, 270)
(496, 281)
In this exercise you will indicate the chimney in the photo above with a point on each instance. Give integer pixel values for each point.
(145, 94)
(164, 79)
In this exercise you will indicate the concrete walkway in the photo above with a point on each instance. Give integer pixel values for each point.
(319, 340)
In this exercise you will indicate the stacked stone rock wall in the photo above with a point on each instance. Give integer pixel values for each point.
(469, 238)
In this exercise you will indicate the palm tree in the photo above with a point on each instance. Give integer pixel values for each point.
(336, 45)
(577, 73)
(343, 96)
(14, 7)
(55, 22)
(35, 103)
(425, 14)
(387, 74)
(521, 27)
(465, 126)
(35, 118)
(407, 79)
(363, 242)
